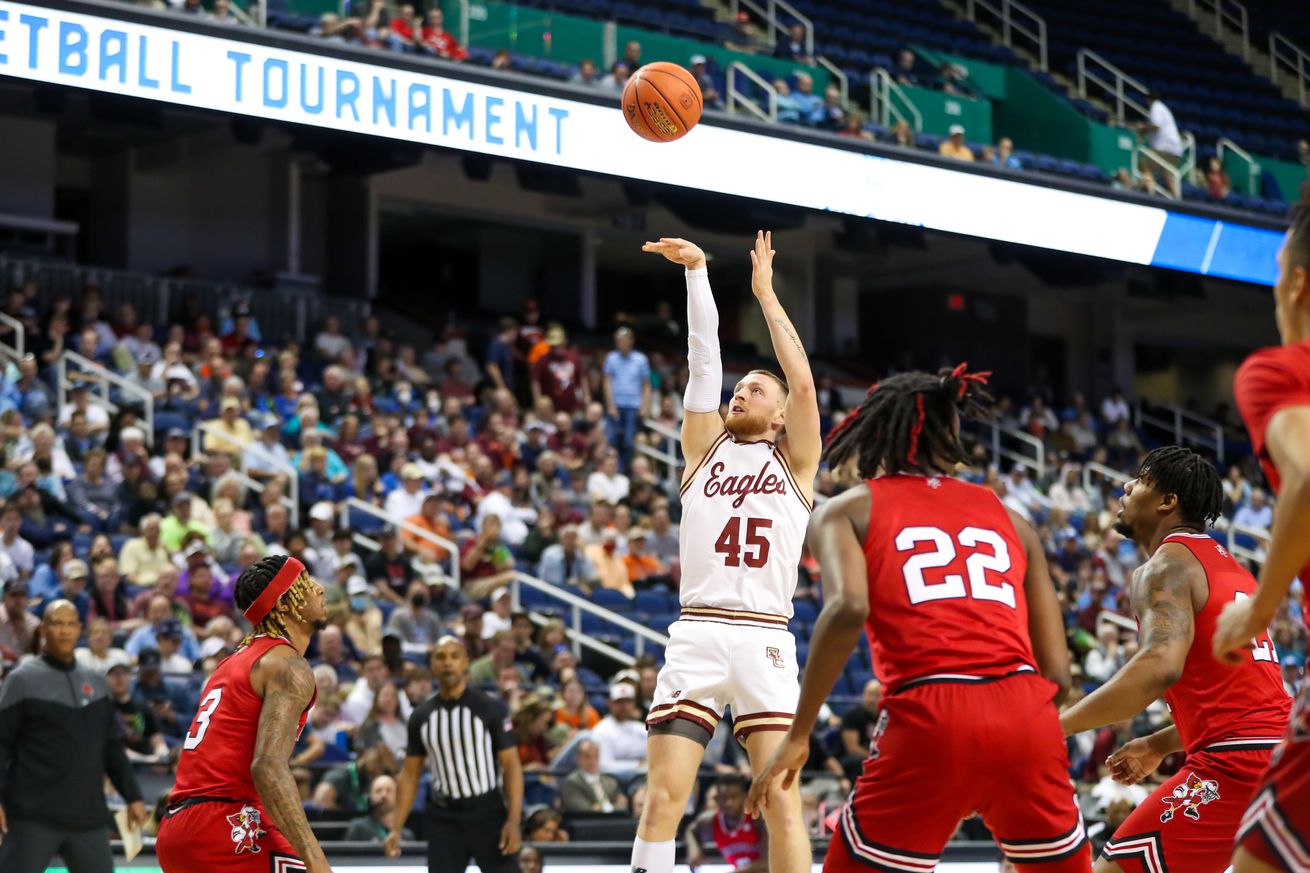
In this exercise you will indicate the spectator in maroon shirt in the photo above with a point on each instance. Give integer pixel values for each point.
(457, 437)
(560, 375)
(455, 385)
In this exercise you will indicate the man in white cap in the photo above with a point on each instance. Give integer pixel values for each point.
(621, 735)
(500, 616)
(407, 500)
(319, 535)
(266, 456)
(954, 145)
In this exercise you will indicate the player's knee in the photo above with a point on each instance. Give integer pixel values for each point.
(783, 810)
(662, 808)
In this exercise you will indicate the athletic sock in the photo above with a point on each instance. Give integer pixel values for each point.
(652, 857)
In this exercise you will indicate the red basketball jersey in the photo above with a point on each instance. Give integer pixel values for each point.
(946, 570)
(741, 845)
(1268, 381)
(1213, 704)
(219, 748)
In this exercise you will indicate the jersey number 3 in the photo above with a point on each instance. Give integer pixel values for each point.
(943, 553)
(756, 553)
(207, 707)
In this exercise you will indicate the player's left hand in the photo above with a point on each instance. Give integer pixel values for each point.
(785, 762)
(136, 814)
(1134, 761)
(1238, 625)
(510, 838)
(762, 264)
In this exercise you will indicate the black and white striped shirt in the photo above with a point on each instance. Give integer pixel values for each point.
(461, 739)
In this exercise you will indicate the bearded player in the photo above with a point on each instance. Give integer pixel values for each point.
(954, 593)
(1227, 722)
(235, 807)
(1273, 394)
(746, 498)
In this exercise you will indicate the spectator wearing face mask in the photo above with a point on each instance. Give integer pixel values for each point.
(415, 623)
(364, 624)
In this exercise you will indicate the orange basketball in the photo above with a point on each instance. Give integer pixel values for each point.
(661, 102)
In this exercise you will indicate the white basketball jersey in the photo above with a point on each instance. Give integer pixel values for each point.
(743, 526)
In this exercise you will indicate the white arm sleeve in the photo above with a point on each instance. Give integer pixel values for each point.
(704, 365)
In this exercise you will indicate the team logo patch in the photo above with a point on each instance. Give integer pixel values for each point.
(246, 830)
(934, 483)
(1189, 796)
(878, 730)
(774, 654)
(675, 695)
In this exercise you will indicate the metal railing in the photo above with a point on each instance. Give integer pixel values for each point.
(843, 81)
(1016, 446)
(1181, 425)
(1229, 16)
(1113, 82)
(355, 503)
(1224, 144)
(1286, 56)
(881, 108)
(18, 348)
(1013, 18)
(738, 97)
(1175, 174)
(1187, 159)
(767, 10)
(286, 312)
(102, 379)
(578, 605)
(291, 500)
(668, 456)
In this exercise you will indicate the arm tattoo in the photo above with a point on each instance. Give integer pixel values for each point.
(782, 323)
(1162, 598)
(287, 692)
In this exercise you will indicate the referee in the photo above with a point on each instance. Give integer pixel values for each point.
(465, 738)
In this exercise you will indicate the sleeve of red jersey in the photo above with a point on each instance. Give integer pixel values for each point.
(1271, 381)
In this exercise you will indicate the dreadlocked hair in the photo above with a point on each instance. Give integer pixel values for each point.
(254, 579)
(1188, 476)
(906, 424)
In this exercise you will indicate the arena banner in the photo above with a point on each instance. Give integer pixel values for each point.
(349, 91)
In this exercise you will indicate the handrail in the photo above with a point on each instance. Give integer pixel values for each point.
(883, 86)
(579, 605)
(1187, 160)
(1253, 168)
(736, 96)
(355, 503)
(464, 23)
(18, 349)
(1110, 473)
(668, 458)
(1205, 431)
(293, 475)
(1091, 68)
(769, 14)
(1232, 529)
(1034, 28)
(1036, 463)
(843, 81)
(1283, 51)
(105, 377)
(1225, 12)
(1174, 173)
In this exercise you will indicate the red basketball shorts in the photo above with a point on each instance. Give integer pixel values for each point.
(947, 749)
(1189, 823)
(223, 836)
(1276, 828)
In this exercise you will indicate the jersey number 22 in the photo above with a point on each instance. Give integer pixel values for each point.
(951, 587)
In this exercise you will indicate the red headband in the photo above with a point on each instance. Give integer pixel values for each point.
(282, 582)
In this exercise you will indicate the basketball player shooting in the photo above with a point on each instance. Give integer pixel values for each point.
(235, 807)
(747, 492)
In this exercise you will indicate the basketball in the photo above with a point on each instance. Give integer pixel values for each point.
(661, 102)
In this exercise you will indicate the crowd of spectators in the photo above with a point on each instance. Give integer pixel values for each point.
(513, 451)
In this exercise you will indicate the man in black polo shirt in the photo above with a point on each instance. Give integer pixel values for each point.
(58, 740)
(466, 739)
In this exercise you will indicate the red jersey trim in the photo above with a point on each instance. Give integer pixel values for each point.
(714, 447)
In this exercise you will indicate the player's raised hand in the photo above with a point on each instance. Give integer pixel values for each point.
(785, 763)
(762, 263)
(1238, 625)
(391, 845)
(1134, 761)
(678, 250)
